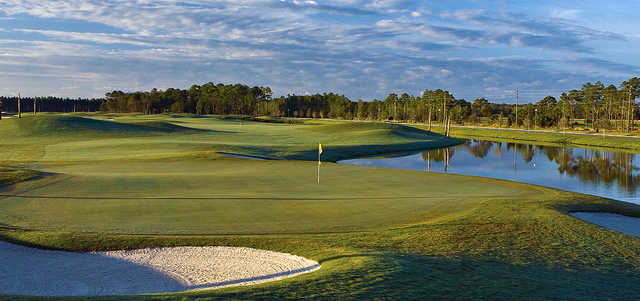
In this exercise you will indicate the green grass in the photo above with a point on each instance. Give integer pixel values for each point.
(550, 138)
(10, 176)
(234, 196)
(56, 139)
(378, 233)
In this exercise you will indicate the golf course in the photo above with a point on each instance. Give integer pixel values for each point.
(98, 182)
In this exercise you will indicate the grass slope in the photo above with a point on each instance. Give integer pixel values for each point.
(63, 138)
(378, 233)
(10, 176)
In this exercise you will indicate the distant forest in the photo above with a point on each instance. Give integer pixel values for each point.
(596, 106)
(51, 104)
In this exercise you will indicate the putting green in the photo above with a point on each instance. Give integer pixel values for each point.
(232, 196)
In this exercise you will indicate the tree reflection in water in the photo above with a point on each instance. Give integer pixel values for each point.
(590, 166)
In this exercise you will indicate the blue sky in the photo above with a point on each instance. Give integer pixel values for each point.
(364, 49)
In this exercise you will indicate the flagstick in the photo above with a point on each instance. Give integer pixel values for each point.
(318, 167)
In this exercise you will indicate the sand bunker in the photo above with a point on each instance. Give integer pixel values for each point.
(624, 224)
(28, 271)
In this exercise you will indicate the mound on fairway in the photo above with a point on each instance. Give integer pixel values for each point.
(74, 125)
(71, 138)
(28, 271)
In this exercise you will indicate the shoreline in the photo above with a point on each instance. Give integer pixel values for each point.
(548, 137)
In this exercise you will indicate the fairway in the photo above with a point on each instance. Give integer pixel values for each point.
(76, 138)
(111, 182)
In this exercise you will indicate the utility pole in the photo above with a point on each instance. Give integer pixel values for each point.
(19, 112)
(395, 110)
(430, 108)
(444, 106)
(516, 108)
(629, 110)
(564, 113)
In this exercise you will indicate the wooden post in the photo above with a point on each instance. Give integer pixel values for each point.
(34, 106)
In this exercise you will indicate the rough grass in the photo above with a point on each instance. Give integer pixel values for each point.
(378, 233)
(524, 249)
(10, 176)
(599, 142)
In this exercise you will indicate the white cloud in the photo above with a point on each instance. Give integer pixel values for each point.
(385, 23)
(565, 13)
(364, 49)
(463, 14)
(383, 3)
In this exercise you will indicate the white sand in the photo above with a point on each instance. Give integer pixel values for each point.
(29, 271)
(624, 224)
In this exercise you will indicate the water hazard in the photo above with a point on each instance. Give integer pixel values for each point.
(608, 174)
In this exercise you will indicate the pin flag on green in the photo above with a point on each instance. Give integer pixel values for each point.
(319, 162)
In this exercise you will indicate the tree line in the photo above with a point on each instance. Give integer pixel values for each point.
(229, 99)
(206, 99)
(50, 104)
(592, 106)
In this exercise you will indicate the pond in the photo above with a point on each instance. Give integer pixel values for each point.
(614, 175)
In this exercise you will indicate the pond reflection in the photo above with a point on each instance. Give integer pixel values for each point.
(609, 174)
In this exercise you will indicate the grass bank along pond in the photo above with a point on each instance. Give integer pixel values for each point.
(608, 174)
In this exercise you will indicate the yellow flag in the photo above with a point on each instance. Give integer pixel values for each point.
(319, 148)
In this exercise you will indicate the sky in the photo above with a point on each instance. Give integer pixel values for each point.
(364, 49)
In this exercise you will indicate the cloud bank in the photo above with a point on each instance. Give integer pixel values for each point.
(363, 49)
